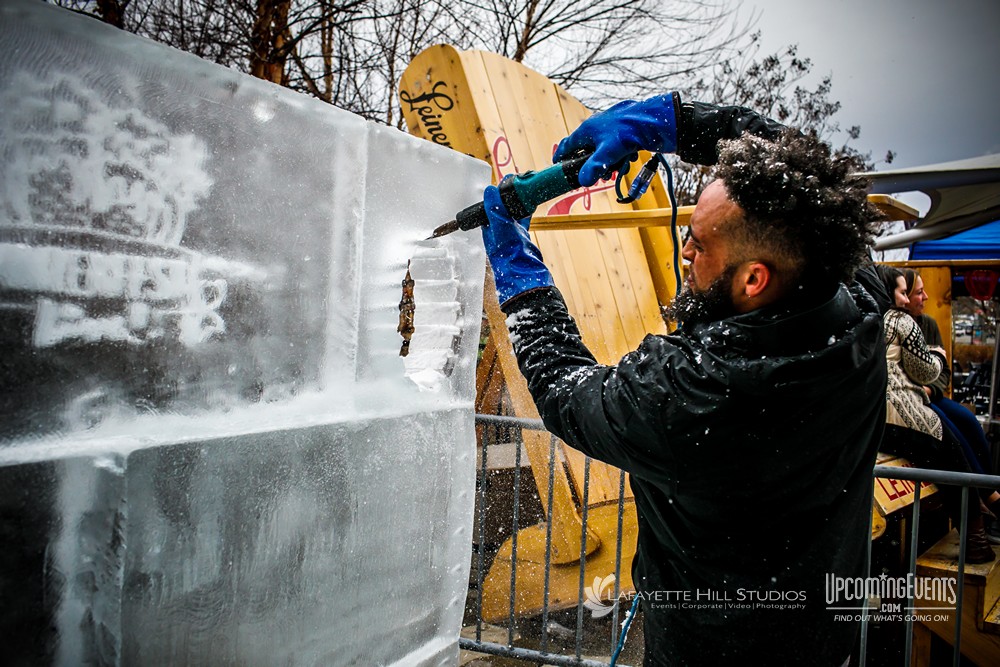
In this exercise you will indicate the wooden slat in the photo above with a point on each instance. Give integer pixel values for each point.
(564, 580)
(631, 292)
(532, 129)
(507, 156)
(489, 381)
(653, 217)
(619, 274)
(627, 219)
(469, 122)
(648, 306)
(437, 103)
(657, 243)
(892, 208)
(639, 295)
(980, 642)
(515, 117)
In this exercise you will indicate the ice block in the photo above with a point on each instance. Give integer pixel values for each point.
(211, 450)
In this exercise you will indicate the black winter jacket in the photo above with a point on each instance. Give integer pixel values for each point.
(750, 443)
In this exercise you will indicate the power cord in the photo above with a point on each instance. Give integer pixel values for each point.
(639, 185)
(625, 626)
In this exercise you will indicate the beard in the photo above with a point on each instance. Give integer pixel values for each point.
(711, 305)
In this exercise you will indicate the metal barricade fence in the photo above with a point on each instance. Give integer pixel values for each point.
(496, 424)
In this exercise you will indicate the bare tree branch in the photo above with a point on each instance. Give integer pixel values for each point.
(350, 53)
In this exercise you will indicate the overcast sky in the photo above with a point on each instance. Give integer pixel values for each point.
(921, 78)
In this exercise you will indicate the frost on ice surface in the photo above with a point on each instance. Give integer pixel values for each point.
(210, 448)
(436, 316)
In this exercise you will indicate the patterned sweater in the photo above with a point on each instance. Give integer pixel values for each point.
(911, 365)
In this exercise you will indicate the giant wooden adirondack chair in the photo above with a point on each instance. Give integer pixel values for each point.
(613, 263)
(500, 111)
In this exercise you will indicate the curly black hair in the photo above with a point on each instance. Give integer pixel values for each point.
(802, 205)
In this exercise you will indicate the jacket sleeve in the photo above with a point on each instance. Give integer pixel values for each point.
(919, 363)
(612, 413)
(701, 126)
(940, 384)
(932, 336)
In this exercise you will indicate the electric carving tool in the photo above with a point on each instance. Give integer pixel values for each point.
(523, 193)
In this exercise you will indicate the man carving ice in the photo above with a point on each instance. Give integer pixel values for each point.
(749, 433)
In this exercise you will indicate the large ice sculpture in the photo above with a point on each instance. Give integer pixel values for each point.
(211, 451)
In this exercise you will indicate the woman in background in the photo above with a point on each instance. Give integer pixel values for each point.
(915, 431)
(955, 416)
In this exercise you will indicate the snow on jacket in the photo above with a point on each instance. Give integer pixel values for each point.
(750, 443)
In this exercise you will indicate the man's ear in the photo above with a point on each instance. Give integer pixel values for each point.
(757, 278)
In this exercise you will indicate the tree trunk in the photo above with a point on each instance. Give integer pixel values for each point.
(113, 11)
(269, 39)
(326, 51)
(523, 42)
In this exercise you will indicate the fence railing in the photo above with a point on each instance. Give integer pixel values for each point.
(504, 429)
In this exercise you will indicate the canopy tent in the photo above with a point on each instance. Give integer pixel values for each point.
(964, 194)
(982, 242)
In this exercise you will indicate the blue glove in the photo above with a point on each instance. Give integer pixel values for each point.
(616, 135)
(516, 261)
